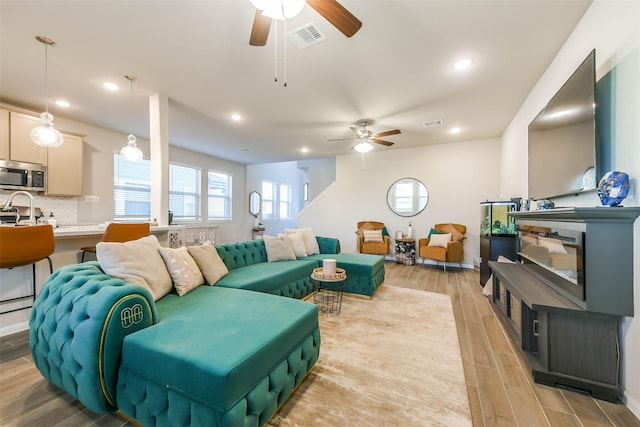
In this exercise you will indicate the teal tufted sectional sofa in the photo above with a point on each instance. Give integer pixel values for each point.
(249, 269)
(221, 355)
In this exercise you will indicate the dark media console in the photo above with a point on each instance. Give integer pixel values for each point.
(570, 337)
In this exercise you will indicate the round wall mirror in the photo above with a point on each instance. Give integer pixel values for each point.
(407, 197)
(255, 203)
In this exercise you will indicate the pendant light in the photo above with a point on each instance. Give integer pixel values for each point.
(45, 134)
(131, 152)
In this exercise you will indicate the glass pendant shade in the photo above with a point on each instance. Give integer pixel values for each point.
(45, 134)
(131, 152)
(363, 147)
(279, 9)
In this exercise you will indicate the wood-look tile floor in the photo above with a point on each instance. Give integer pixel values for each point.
(501, 391)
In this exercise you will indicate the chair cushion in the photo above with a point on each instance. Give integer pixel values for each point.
(372, 236)
(441, 240)
(183, 269)
(138, 262)
(278, 249)
(208, 261)
(456, 234)
(229, 340)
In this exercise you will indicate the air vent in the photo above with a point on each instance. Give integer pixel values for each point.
(306, 36)
(433, 123)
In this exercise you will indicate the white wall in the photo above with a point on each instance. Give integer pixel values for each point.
(281, 173)
(458, 177)
(319, 173)
(613, 29)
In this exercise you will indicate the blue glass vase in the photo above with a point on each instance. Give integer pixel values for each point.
(613, 188)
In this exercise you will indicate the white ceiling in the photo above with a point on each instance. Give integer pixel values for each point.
(397, 70)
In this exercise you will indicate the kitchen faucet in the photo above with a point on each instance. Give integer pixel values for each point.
(32, 219)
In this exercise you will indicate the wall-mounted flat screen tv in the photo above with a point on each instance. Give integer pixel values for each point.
(562, 138)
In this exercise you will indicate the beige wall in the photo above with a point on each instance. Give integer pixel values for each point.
(613, 30)
(458, 177)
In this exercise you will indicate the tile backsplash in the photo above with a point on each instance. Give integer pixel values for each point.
(65, 209)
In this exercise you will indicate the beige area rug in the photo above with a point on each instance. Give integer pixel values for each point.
(390, 361)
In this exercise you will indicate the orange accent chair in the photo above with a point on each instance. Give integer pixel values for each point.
(452, 251)
(121, 232)
(373, 247)
(24, 245)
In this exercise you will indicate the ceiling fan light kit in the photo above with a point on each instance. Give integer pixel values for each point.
(279, 9)
(45, 134)
(363, 147)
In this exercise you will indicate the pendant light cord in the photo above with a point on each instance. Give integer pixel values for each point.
(131, 107)
(46, 78)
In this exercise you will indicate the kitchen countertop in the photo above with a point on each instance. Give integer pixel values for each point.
(97, 230)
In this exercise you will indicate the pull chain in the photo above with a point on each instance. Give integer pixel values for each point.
(275, 61)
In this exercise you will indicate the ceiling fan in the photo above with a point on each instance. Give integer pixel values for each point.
(365, 136)
(331, 10)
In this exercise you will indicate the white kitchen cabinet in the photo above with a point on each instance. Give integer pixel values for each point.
(21, 147)
(4, 134)
(64, 167)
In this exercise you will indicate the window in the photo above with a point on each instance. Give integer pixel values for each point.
(276, 200)
(131, 188)
(268, 199)
(285, 201)
(184, 193)
(219, 195)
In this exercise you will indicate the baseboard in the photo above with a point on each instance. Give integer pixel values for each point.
(632, 404)
(12, 329)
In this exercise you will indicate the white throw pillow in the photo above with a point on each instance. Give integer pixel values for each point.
(310, 242)
(278, 249)
(183, 269)
(209, 262)
(297, 244)
(136, 261)
(554, 246)
(372, 236)
(441, 240)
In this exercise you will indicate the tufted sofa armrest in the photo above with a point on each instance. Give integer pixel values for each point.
(78, 323)
(328, 245)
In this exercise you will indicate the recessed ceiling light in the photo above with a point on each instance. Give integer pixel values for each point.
(455, 130)
(463, 64)
(110, 86)
(236, 117)
(62, 103)
(304, 150)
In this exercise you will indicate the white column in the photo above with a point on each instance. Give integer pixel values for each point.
(159, 153)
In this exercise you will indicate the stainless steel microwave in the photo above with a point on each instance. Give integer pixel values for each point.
(22, 176)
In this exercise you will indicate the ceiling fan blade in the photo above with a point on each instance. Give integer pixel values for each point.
(381, 142)
(389, 132)
(260, 30)
(337, 15)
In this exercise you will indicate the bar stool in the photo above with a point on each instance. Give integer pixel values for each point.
(24, 245)
(120, 232)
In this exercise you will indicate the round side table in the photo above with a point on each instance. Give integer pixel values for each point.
(328, 295)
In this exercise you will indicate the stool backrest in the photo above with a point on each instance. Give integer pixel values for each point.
(24, 245)
(123, 232)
